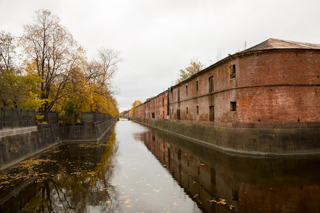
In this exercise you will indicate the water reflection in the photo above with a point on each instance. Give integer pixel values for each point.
(218, 182)
(140, 169)
(70, 178)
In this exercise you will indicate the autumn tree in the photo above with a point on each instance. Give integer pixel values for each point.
(99, 76)
(55, 73)
(194, 67)
(7, 51)
(55, 54)
(134, 105)
(20, 90)
(91, 88)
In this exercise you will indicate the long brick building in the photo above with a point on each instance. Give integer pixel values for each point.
(275, 82)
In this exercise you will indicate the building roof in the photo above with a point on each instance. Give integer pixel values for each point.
(282, 44)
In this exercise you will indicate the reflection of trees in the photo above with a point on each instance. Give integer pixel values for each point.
(81, 180)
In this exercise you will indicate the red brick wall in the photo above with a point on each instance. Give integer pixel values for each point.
(271, 86)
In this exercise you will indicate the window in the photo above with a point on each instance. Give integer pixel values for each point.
(232, 71)
(211, 84)
(233, 106)
(178, 95)
(162, 101)
(197, 85)
(153, 115)
(211, 113)
(186, 90)
(198, 110)
(187, 110)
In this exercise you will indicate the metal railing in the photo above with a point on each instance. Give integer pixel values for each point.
(15, 118)
(94, 117)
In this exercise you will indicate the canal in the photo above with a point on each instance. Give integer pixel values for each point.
(140, 169)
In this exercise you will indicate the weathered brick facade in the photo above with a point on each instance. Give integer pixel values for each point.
(273, 82)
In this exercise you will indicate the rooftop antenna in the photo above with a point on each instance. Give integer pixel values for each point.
(245, 44)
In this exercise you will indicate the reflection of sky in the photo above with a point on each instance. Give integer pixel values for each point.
(144, 183)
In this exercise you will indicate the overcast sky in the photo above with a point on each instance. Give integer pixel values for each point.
(156, 38)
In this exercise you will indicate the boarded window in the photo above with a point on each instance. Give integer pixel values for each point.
(233, 106)
(197, 85)
(232, 71)
(211, 84)
(178, 114)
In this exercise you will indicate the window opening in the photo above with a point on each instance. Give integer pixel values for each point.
(233, 106)
(211, 113)
(197, 85)
(232, 71)
(198, 110)
(211, 84)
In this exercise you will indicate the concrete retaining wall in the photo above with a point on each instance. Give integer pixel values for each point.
(85, 132)
(19, 144)
(246, 141)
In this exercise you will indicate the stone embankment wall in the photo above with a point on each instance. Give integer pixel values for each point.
(23, 143)
(85, 132)
(288, 140)
(18, 146)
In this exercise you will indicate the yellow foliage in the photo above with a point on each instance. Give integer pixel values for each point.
(134, 105)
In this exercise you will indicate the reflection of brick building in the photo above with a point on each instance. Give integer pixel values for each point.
(248, 184)
(273, 82)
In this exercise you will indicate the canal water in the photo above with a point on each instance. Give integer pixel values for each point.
(140, 169)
